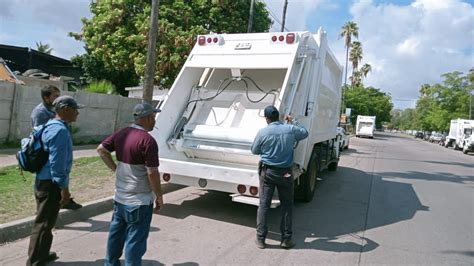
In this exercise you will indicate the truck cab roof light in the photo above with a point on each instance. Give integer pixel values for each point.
(202, 40)
(290, 38)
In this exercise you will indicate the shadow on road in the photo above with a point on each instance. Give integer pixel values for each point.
(446, 177)
(333, 221)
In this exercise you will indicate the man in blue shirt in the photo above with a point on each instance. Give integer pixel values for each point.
(43, 111)
(52, 181)
(275, 144)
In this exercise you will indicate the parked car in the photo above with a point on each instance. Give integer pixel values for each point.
(427, 136)
(436, 137)
(442, 141)
(344, 137)
(419, 135)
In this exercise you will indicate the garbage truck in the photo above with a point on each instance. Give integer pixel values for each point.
(460, 135)
(214, 109)
(365, 126)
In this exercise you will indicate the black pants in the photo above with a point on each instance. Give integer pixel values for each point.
(282, 179)
(48, 196)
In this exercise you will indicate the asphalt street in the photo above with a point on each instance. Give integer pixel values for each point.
(392, 200)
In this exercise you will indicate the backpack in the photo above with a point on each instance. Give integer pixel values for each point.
(32, 156)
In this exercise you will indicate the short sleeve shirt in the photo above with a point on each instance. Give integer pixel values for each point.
(136, 150)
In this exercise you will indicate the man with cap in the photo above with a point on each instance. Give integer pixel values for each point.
(52, 181)
(137, 186)
(275, 144)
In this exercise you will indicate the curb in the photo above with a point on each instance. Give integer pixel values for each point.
(15, 230)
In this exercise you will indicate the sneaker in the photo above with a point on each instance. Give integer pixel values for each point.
(260, 243)
(287, 244)
(71, 205)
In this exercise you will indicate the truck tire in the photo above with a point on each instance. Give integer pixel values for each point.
(305, 191)
(456, 147)
(465, 150)
(333, 166)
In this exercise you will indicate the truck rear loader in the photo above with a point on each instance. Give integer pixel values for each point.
(214, 110)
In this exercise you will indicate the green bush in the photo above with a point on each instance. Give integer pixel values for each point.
(101, 86)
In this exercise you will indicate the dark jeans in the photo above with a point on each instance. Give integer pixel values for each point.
(129, 227)
(47, 196)
(282, 179)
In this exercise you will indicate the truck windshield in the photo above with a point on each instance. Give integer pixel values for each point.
(366, 124)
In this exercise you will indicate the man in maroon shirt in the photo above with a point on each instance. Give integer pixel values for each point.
(137, 186)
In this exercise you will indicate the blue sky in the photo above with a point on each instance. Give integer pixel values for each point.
(407, 42)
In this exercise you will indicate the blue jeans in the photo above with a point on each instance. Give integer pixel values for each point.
(282, 179)
(130, 226)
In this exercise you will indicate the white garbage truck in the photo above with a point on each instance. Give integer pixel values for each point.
(460, 135)
(365, 126)
(214, 109)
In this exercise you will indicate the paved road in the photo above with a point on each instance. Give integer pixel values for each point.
(393, 200)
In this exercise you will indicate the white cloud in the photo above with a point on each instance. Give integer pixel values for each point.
(412, 45)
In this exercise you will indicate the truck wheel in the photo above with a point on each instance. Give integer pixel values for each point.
(456, 147)
(305, 191)
(464, 149)
(332, 166)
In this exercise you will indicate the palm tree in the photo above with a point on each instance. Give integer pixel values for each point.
(356, 78)
(365, 69)
(44, 48)
(349, 30)
(355, 55)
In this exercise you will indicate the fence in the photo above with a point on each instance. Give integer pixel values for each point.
(102, 115)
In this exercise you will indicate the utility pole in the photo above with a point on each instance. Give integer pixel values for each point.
(249, 28)
(148, 83)
(284, 16)
(470, 104)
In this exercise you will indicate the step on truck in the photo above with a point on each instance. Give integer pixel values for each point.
(214, 109)
(365, 126)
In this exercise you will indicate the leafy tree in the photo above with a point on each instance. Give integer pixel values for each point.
(369, 101)
(116, 35)
(349, 30)
(44, 48)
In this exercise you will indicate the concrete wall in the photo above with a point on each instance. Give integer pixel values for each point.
(102, 115)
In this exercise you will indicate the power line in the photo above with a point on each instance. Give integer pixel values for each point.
(272, 14)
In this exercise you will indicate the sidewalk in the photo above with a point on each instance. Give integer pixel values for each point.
(7, 156)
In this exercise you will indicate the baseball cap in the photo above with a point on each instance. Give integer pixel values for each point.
(66, 101)
(271, 112)
(144, 109)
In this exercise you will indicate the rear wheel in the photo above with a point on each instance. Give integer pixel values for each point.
(465, 150)
(332, 166)
(305, 191)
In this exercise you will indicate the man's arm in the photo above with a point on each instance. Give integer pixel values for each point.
(155, 183)
(58, 163)
(256, 145)
(298, 129)
(106, 157)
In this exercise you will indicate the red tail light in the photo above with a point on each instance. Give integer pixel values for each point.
(253, 190)
(209, 40)
(202, 40)
(274, 38)
(241, 189)
(166, 177)
(215, 39)
(281, 38)
(290, 38)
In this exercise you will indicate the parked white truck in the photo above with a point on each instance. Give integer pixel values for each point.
(214, 110)
(365, 126)
(460, 135)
